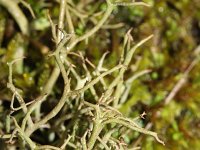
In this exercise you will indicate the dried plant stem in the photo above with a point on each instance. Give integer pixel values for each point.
(180, 83)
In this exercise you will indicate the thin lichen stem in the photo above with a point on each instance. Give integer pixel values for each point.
(93, 30)
(56, 71)
(52, 114)
(128, 125)
(119, 79)
(95, 133)
(11, 86)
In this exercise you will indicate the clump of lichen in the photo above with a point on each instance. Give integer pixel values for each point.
(81, 74)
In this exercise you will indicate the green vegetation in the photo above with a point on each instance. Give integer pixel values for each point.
(86, 74)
